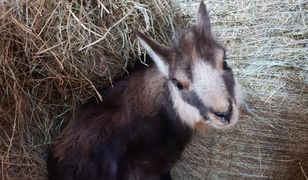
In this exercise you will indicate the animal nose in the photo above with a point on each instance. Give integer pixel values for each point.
(224, 116)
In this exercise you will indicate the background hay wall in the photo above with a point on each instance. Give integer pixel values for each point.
(54, 54)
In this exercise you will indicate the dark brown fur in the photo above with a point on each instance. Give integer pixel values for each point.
(136, 132)
(136, 136)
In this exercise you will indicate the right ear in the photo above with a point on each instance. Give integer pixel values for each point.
(157, 52)
(203, 21)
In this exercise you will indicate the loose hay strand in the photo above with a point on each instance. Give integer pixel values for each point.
(55, 55)
(303, 171)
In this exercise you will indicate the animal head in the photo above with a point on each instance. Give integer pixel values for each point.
(200, 81)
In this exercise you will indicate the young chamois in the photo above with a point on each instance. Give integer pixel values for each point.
(145, 121)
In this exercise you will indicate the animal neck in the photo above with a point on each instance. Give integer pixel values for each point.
(156, 85)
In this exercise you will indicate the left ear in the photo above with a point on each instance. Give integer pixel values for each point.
(203, 22)
(157, 52)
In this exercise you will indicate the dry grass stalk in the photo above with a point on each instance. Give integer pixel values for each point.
(54, 55)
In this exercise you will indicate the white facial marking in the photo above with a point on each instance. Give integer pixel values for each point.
(219, 57)
(209, 85)
(161, 65)
(187, 113)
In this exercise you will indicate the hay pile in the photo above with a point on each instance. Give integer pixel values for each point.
(268, 47)
(54, 55)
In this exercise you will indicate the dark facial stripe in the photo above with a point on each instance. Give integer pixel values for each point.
(229, 82)
(193, 99)
(188, 71)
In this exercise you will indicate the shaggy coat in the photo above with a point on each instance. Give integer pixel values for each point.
(133, 134)
(144, 122)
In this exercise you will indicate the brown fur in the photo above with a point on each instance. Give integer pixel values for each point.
(142, 126)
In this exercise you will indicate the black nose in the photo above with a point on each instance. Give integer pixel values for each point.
(221, 114)
(224, 116)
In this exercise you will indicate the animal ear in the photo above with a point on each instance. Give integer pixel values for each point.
(203, 21)
(157, 52)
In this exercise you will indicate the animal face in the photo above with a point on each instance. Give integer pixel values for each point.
(201, 83)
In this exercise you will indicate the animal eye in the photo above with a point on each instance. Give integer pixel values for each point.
(178, 84)
(225, 65)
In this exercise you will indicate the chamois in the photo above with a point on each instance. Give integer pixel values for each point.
(145, 120)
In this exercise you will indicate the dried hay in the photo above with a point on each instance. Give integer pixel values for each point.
(53, 55)
(268, 47)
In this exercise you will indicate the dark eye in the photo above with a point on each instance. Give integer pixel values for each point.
(225, 65)
(178, 84)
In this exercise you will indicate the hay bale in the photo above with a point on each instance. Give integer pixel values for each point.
(267, 43)
(54, 55)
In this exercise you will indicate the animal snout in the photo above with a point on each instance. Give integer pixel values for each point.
(225, 116)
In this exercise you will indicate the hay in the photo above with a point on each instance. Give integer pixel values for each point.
(54, 55)
(268, 47)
